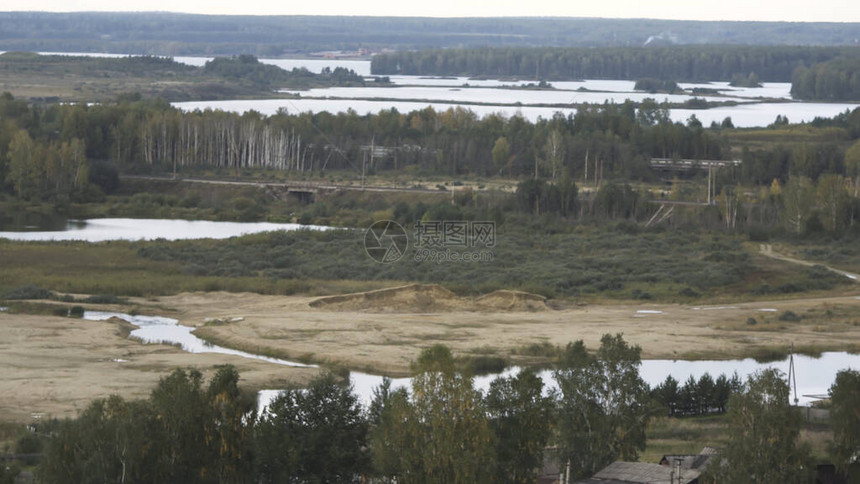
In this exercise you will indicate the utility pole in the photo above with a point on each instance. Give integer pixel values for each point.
(709, 182)
(372, 152)
(585, 178)
(792, 374)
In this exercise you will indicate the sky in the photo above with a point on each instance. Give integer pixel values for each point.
(764, 10)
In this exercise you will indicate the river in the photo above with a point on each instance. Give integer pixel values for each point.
(814, 375)
(103, 229)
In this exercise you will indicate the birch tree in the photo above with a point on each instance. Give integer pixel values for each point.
(601, 407)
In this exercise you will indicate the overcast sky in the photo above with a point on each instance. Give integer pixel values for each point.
(766, 10)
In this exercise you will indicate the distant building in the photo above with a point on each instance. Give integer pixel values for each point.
(620, 472)
(672, 469)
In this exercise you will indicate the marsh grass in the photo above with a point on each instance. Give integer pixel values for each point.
(214, 338)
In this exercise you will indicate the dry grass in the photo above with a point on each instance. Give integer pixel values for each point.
(388, 342)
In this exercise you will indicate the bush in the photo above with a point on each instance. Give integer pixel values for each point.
(751, 321)
(105, 299)
(28, 292)
(76, 312)
(789, 316)
(485, 365)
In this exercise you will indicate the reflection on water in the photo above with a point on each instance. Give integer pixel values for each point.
(102, 229)
(34, 221)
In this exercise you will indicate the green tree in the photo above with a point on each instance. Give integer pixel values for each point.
(845, 419)
(179, 407)
(554, 152)
(602, 405)
(834, 200)
(316, 434)
(798, 200)
(501, 154)
(110, 441)
(24, 166)
(388, 413)
(441, 434)
(227, 431)
(520, 416)
(763, 432)
(852, 165)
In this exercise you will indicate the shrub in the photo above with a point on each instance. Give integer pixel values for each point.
(485, 364)
(76, 312)
(105, 299)
(789, 316)
(28, 292)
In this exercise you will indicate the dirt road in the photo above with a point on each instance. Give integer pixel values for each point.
(767, 250)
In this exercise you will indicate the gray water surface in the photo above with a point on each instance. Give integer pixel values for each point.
(103, 229)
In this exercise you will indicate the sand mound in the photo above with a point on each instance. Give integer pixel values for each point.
(512, 301)
(428, 298)
(414, 298)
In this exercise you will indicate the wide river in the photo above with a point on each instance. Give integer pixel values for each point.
(490, 96)
(103, 229)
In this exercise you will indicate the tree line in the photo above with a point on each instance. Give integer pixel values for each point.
(441, 429)
(676, 63)
(602, 145)
(834, 80)
(598, 141)
(696, 397)
(164, 33)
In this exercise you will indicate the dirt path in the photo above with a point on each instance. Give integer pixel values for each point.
(767, 250)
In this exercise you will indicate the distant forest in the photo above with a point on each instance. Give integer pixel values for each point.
(184, 34)
(676, 63)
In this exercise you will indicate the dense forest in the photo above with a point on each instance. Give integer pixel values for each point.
(611, 141)
(444, 430)
(796, 175)
(834, 80)
(271, 36)
(677, 63)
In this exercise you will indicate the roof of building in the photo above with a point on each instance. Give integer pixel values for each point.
(620, 472)
(690, 461)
